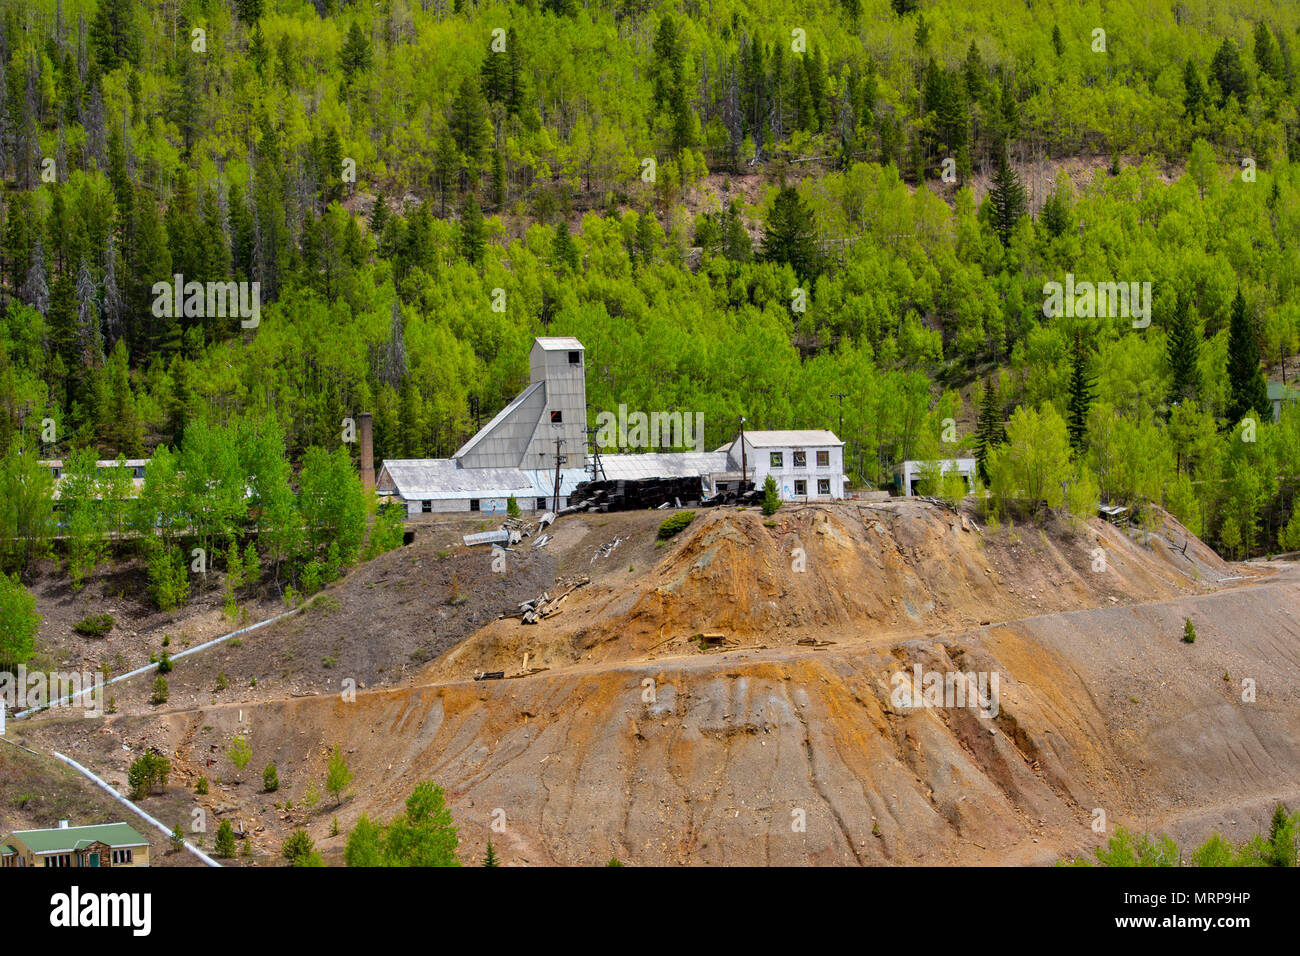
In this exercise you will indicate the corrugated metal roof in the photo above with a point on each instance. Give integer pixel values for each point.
(440, 478)
(487, 537)
(66, 839)
(785, 439)
(559, 343)
(543, 482)
(497, 418)
(685, 464)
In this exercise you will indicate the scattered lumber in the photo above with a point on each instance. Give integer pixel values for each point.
(544, 605)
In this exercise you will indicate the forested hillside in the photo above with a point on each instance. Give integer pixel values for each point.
(811, 214)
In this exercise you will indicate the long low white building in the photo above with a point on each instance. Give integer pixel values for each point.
(441, 486)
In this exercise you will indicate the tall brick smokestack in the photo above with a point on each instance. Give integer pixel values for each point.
(367, 453)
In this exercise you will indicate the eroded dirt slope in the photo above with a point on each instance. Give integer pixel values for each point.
(1104, 708)
(375, 627)
(843, 573)
(768, 751)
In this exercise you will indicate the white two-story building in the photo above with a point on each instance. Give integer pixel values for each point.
(806, 465)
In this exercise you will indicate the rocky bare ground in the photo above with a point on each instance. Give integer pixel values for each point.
(762, 749)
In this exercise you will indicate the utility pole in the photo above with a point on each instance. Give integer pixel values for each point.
(558, 460)
(841, 396)
(597, 467)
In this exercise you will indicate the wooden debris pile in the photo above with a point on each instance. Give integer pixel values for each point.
(544, 605)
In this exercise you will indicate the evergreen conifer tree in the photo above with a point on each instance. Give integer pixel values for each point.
(1008, 198)
(1247, 390)
(1082, 393)
(789, 236)
(1183, 348)
(990, 431)
(471, 232)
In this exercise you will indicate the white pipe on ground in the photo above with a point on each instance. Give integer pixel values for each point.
(103, 785)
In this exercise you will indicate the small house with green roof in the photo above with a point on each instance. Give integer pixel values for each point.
(103, 845)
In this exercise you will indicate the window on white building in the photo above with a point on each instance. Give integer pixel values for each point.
(823, 486)
(823, 459)
(775, 459)
(801, 459)
(426, 507)
(801, 487)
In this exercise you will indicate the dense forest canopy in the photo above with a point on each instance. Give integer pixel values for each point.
(832, 214)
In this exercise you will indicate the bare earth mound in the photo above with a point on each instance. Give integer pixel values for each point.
(844, 573)
(639, 743)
